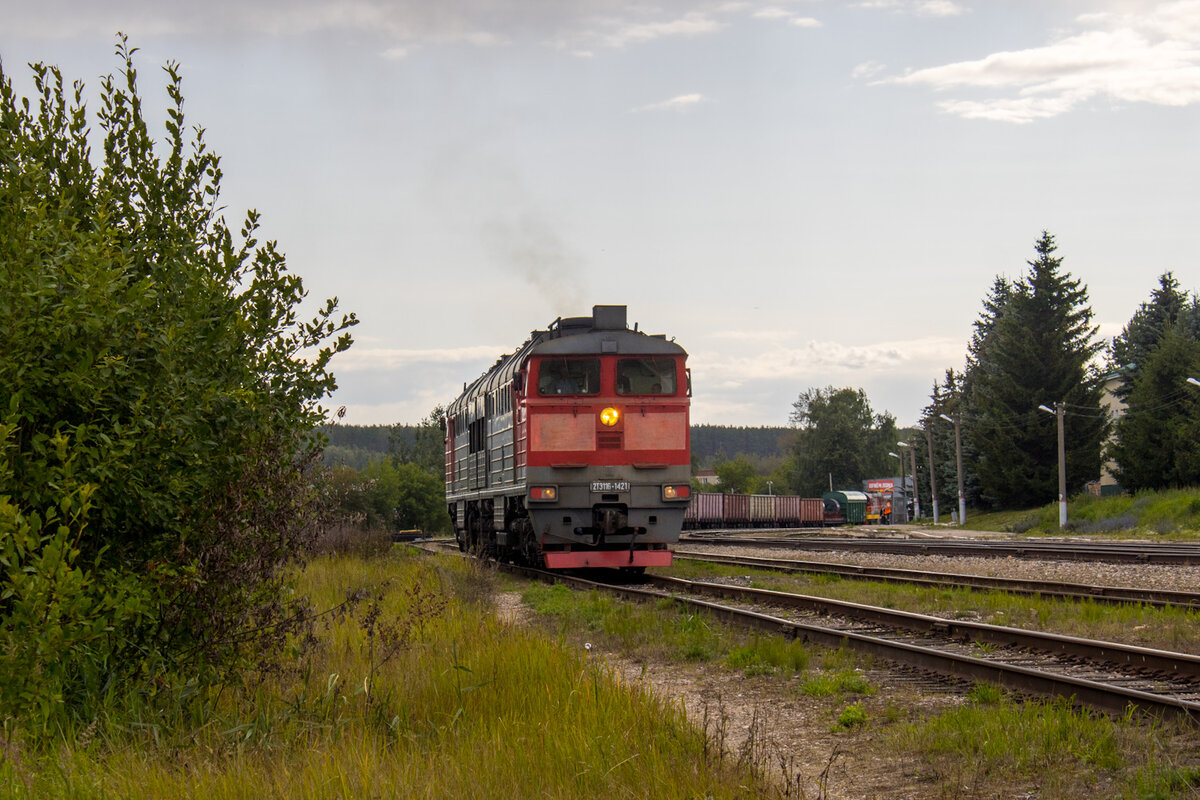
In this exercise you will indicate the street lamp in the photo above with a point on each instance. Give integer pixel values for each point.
(962, 499)
(1058, 411)
(903, 504)
(769, 484)
(1193, 382)
(912, 452)
(932, 470)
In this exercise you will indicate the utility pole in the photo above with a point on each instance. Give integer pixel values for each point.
(962, 498)
(1059, 411)
(903, 502)
(932, 470)
(912, 452)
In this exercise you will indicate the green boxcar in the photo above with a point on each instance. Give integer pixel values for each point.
(852, 503)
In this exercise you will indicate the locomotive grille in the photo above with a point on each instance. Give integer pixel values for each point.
(608, 440)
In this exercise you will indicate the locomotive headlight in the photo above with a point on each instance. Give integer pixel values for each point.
(610, 416)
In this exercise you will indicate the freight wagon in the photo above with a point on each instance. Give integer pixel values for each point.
(711, 510)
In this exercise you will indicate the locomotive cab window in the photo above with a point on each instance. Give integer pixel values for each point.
(647, 375)
(558, 376)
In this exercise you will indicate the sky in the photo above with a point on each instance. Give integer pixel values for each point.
(803, 193)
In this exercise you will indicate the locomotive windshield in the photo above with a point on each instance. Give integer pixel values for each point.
(646, 375)
(569, 376)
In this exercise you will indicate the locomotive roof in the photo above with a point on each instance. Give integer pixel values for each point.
(605, 332)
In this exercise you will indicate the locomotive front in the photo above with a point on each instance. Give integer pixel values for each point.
(574, 451)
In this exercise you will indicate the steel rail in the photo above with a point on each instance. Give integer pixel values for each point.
(1162, 598)
(1146, 553)
(1178, 665)
(1081, 691)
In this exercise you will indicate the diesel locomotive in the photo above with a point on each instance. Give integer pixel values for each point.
(574, 451)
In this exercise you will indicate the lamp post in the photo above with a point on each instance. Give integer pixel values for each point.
(1058, 411)
(903, 504)
(962, 499)
(932, 470)
(769, 484)
(1193, 381)
(912, 452)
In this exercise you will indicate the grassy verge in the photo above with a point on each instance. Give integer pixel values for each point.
(1166, 628)
(1167, 514)
(991, 745)
(413, 689)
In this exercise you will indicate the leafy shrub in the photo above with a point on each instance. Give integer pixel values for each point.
(159, 395)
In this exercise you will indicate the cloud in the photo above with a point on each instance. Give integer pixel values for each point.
(772, 12)
(867, 69)
(684, 102)
(383, 358)
(399, 27)
(773, 355)
(692, 24)
(1148, 58)
(921, 8)
(938, 8)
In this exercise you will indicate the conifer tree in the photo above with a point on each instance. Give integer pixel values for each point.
(1032, 347)
(1167, 308)
(1155, 440)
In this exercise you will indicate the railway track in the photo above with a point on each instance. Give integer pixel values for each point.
(1184, 553)
(1101, 675)
(1161, 598)
(1106, 676)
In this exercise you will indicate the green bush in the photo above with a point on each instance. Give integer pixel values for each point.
(158, 393)
(385, 495)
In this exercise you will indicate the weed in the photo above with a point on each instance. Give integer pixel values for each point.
(985, 694)
(836, 684)
(768, 655)
(851, 716)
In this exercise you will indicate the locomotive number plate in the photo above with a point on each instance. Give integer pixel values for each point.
(610, 486)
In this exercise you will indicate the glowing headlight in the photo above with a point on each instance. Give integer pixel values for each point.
(610, 416)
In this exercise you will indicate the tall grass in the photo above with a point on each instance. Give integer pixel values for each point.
(409, 691)
(1065, 752)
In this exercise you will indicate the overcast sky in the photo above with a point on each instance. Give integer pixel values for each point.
(803, 193)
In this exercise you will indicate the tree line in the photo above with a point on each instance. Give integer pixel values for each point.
(1034, 347)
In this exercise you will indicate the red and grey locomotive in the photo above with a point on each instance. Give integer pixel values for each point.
(574, 451)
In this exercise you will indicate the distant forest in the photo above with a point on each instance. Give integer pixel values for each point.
(356, 445)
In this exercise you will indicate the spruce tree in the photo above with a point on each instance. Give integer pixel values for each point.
(1155, 440)
(1167, 308)
(1032, 347)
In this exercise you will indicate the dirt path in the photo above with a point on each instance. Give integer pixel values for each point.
(771, 724)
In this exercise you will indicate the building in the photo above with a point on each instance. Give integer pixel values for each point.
(1114, 406)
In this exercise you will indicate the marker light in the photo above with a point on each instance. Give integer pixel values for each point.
(676, 492)
(610, 416)
(543, 493)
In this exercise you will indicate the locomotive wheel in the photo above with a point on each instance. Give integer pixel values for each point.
(528, 551)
